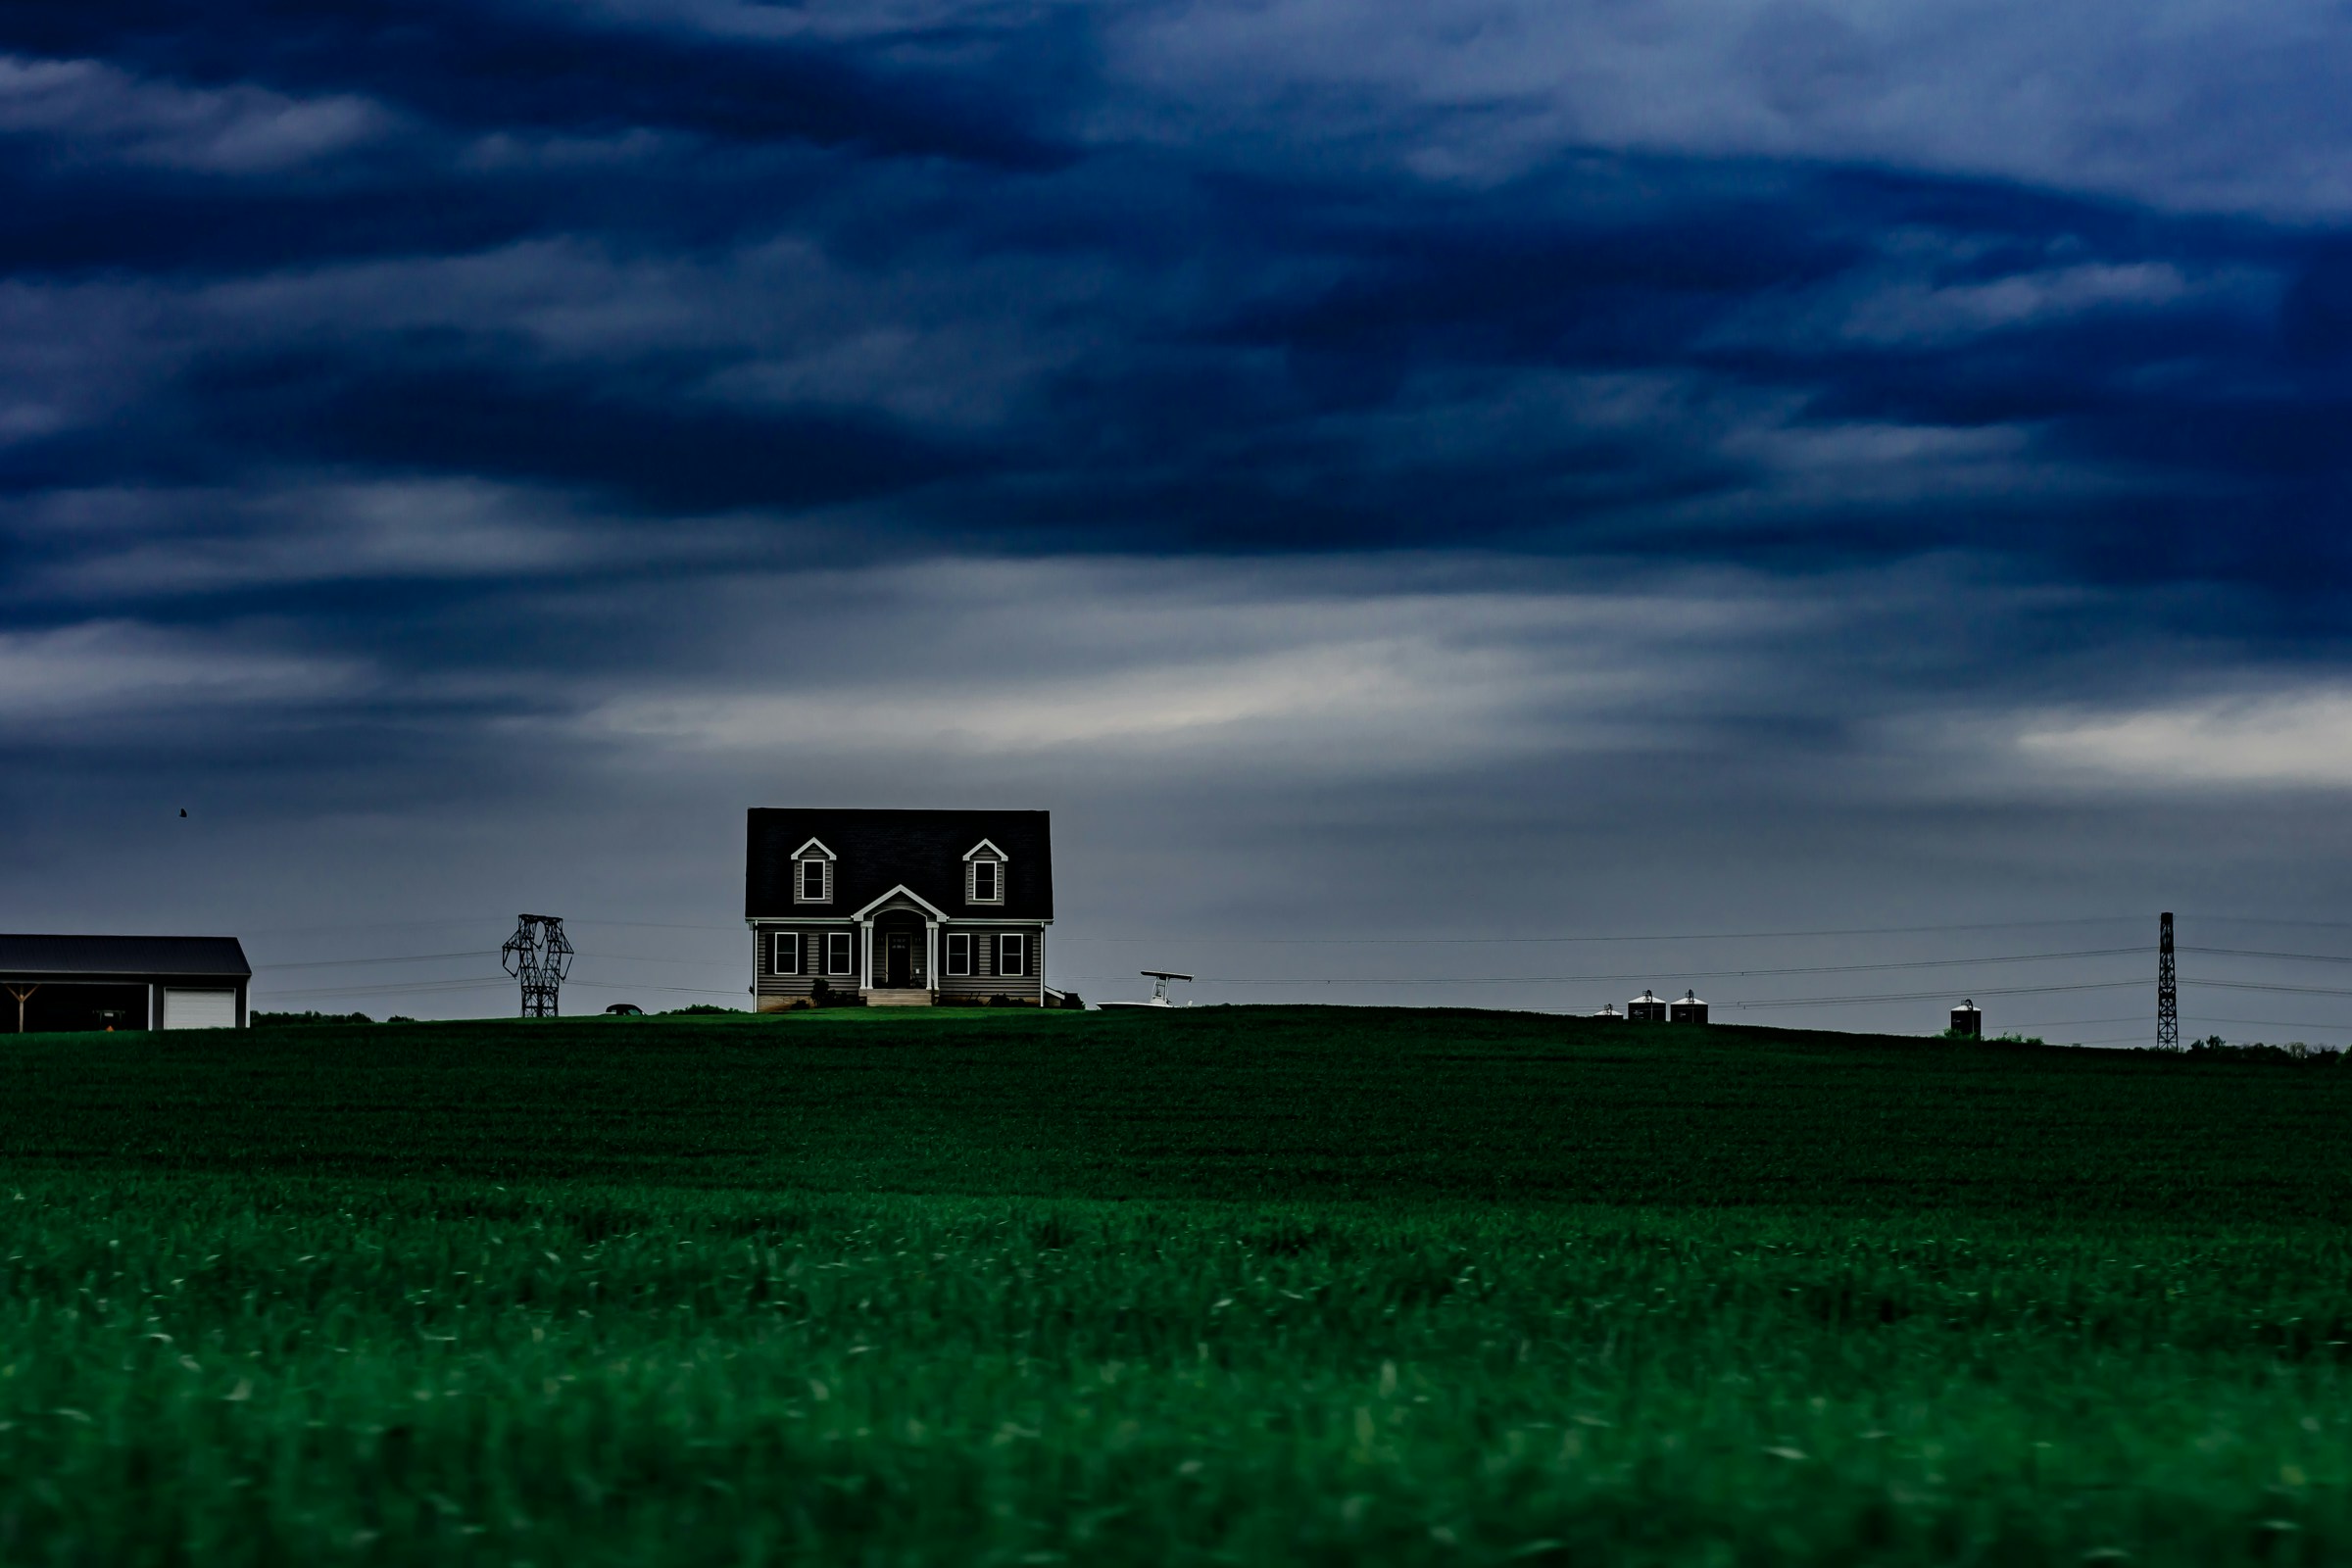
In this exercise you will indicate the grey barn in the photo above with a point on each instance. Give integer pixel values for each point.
(54, 983)
(903, 908)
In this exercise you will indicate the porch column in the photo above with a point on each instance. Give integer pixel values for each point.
(866, 961)
(931, 956)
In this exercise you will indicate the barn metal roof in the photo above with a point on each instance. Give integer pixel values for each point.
(30, 954)
(876, 850)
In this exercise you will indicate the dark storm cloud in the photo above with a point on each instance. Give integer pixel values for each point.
(1268, 355)
(950, 91)
(645, 438)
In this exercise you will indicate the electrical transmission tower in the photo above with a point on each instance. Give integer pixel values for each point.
(2167, 990)
(539, 954)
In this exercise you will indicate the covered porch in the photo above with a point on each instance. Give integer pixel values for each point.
(898, 947)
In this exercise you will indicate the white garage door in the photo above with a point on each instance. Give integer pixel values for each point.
(199, 1010)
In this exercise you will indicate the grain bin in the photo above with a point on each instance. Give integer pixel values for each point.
(1646, 1009)
(1688, 1010)
(1967, 1019)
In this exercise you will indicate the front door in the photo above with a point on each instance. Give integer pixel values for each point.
(898, 965)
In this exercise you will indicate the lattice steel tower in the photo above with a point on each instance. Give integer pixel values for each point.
(2167, 990)
(539, 954)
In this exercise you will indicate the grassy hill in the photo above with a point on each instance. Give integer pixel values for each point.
(1278, 1284)
(1256, 1104)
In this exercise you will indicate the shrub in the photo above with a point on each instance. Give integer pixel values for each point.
(2214, 1047)
(823, 995)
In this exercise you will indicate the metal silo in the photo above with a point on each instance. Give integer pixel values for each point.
(1967, 1019)
(1646, 1009)
(1688, 1010)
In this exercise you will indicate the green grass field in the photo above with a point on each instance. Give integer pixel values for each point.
(1264, 1285)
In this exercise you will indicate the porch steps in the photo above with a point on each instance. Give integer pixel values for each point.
(879, 998)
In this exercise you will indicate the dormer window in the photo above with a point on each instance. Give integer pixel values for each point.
(983, 874)
(813, 874)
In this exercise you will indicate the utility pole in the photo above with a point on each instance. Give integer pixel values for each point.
(539, 954)
(2168, 989)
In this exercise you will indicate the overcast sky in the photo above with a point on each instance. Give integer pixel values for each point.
(1435, 470)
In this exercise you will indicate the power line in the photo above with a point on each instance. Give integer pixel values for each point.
(1793, 1002)
(2257, 953)
(376, 925)
(2020, 990)
(1687, 935)
(397, 988)
(472, 920)
(476, 952)
(1652, 974)
(1697, 974)
(2253, 985)
(402, 988)
(339, 964)
(1934, 995)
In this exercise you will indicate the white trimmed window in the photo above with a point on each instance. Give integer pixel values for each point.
(983, 874)
(1013, 954)
(959, 953)
(837, 953)
(785, 954)
(812, 874)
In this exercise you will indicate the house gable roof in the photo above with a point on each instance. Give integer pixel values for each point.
(878, 851)
(901, 890)
(175, 958)
(990, 848)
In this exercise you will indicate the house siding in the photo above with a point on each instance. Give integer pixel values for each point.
(773, 991)
(985, 980)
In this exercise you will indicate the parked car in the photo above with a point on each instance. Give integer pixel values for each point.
(625, 1009)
